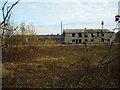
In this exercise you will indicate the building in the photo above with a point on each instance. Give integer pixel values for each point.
(93, 36)
(69, 36)
(117, 35)
(33, 39)
(46, 38)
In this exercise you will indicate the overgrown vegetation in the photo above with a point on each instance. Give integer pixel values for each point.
(55, 66)
(59, 66)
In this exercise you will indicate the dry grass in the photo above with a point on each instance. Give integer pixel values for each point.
(57, 66)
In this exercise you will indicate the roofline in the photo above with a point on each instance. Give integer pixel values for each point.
(83, 30)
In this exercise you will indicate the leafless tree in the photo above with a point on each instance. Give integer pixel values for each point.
(6, 14)
(101, 63)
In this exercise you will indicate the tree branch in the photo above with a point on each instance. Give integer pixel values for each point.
(94, 69)
(8, 12)
(100, 63)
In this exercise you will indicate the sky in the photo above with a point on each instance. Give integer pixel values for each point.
(47, 15)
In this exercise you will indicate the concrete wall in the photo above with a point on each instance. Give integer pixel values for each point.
(97, 39)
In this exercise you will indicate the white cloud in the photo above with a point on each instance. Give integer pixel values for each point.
(104, 1)
(71, 11)
(43, 0)
(68, 11)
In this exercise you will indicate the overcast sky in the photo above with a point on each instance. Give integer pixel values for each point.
(47, 14)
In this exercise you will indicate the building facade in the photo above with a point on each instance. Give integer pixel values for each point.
(69, 36)
(45, 38)
(33, 39)
(93, 36)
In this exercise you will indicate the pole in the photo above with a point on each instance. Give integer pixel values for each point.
(61, 32)
(61, 27)
(102, 24)
(0, 61)
(118, 66)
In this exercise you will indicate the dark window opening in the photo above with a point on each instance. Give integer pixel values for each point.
(108, 40)
(73, 34)
(92, 40)
(102, 40)
(80, 41)
(86, 35)
(102, 34)
(73, 40)
(97, 34)
(92, 35)
(63, 34)
(80, 34)
(86, 40)
(76, 41)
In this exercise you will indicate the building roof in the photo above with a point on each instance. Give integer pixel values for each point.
(49, 36)
(86, 30)
(118, 33)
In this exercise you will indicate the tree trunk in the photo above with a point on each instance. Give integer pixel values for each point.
(0, 62)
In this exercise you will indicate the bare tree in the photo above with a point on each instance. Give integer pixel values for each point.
(4, 25)
(6, 13)
(101, 63)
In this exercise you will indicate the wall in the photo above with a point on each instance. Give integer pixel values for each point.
(97, 39)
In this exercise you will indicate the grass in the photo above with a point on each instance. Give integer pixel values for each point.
(56, 66)
(7, 73)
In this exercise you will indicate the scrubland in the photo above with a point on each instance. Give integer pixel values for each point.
(57, 66)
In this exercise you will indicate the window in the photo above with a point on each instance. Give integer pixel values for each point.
(98, 34)
(102, 40)
(80, 34)
(102, 34)
(108, 40)
(73, 40)
(86, 40)
(76, 41)
(86, 35)
(73, 34)
(80, 41)
(92, 40)
(92, 35)
(63, 34)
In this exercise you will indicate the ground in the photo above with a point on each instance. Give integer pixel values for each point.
(56, 66)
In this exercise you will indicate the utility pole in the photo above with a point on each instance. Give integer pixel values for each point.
(117, 19)
(102, 25)
(61, 32)
(119, 16)
(0, 61)
(119, 44)
(61, 27)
